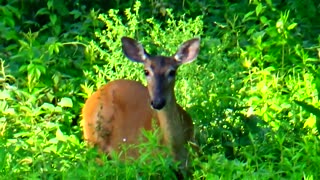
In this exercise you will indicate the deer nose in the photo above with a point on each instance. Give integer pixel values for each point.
(158, 103)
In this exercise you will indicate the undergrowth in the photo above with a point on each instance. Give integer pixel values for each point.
(252, 92)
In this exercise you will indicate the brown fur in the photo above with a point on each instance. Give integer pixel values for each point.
(115, 115)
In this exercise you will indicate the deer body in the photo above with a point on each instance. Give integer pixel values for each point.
(118, 111)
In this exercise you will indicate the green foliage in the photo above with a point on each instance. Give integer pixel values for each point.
(252, 93)
(149, 32)
(313, 108)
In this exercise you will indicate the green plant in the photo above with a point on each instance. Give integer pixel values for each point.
(252, 93)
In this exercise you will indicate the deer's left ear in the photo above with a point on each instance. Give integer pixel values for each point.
(188, 51)
(133, 50)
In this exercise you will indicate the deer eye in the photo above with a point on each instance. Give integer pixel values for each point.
(172, 73)
(146, 72)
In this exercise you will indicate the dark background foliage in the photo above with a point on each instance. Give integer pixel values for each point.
(252, 93)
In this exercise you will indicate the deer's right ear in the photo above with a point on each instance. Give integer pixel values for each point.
(188, 51)
(133, 50)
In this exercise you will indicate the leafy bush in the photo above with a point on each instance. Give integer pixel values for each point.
(252, 93)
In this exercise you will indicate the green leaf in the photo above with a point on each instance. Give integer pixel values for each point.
(264, 20)
(50, 4)
(4, 95)
(60, 136)
(48, 106)
(30, 67)
(9, 111)
(292, 26)
(247, 16)
(15, 11)
(26, 161)
(73, 139)
(41, 69)
(53, 19)
(52, 148)
(23, 68)
(23, 44)
(76, 13)
(259, 9)
(9, 21)
(43, 11)
(310, 122)
(279, 24)
(57, 29)
(269, 2)
(57, 46)
(51, 49)
(65, 102)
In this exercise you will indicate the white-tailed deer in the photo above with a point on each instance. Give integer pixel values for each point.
(116, 113)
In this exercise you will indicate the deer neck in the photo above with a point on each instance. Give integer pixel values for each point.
(171, 122)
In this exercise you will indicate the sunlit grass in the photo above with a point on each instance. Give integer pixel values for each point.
(252, 93)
